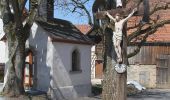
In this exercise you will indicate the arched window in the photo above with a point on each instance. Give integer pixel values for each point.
(75, 60)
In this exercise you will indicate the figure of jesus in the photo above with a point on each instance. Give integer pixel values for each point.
(117, 33)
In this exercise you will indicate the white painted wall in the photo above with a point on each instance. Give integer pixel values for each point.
(2, 44)
(1, 27)
(38, 42)
(73, 84)
(2, 52)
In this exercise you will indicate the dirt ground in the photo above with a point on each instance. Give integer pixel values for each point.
(152, 94)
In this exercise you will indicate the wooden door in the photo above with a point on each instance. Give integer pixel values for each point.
(98, 69)
(162, 78)
(28, 70)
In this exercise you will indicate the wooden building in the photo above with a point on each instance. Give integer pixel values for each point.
(151, 66)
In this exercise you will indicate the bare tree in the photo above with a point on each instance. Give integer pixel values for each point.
(143, 31)
(75, 6)
(17, 27)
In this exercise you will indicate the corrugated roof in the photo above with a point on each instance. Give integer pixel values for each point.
(62, 29)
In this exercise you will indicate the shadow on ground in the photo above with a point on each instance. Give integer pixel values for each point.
(153, 94)
(29, 95)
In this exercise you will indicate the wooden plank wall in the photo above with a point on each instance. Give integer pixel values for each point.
(148, 54)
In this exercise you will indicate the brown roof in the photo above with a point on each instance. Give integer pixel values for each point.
(84, 28)
(62, 30)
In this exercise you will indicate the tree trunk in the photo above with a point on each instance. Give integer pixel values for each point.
(20, 65)
(17, 34)
(13, 82)
(114, 84)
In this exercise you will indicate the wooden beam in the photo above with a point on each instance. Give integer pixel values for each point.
(102, 14)
(123, 11)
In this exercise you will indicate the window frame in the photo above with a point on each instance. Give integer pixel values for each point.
(76, 68)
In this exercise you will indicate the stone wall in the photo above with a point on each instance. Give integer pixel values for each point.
(144, 74)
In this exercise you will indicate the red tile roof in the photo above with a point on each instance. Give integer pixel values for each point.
(84, 28)
(163, 33)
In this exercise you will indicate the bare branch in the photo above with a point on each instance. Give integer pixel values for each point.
(33, 12)
(143, 31)
(154, 24)
(3, 6)
(17, 13)
(139, 44)
(157, 7)
(22, 4)
(76, 6)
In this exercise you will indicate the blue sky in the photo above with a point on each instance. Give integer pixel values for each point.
(72, 17)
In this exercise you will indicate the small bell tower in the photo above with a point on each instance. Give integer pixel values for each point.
(46, 10)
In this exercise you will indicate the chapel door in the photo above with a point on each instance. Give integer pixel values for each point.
(28, 71)
(163, 72)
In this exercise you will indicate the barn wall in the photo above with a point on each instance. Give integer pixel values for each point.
(148, 54)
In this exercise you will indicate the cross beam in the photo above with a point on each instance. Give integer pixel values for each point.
(123, 11)
(102, 14)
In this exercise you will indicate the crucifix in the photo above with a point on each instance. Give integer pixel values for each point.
(117, 37)
(117, 32)
(116, 18)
